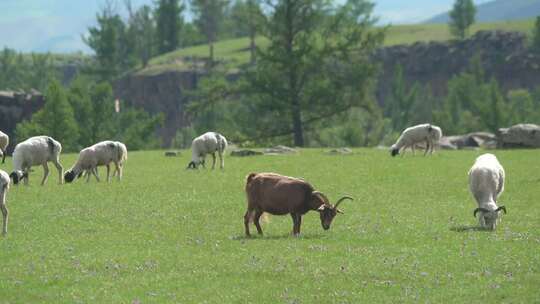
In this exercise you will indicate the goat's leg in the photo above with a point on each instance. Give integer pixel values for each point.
(213, 160)
(45, 173)
(256, 221)
(5, 216)
(60, 169)
(297, 221)
(247, 216)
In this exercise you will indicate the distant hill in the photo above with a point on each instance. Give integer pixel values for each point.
(500, 10)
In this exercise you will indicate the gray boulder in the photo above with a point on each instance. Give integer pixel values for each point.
(245, 152)
(469, 141)
(280, 150)
(519, 136)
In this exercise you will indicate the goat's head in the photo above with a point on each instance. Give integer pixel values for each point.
(490, 216)
(17, 176)
(326, 210)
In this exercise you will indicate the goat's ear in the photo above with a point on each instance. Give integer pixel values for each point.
(321, 208)
(339, 211)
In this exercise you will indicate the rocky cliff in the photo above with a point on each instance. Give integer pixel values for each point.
(16, 107)
(504, 56)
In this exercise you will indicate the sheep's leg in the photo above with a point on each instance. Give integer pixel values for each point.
(94, 171)
(5, 216)
(45, 173)
(4, 156)
(427, 147)
(256, 221)
(58, 166)
(247, 216)
(403, 150)
(118, 171)
(221, 163)
(213, 160)
(87, 174)
(108, 172)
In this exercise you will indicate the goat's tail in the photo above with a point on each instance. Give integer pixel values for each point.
(250, 177)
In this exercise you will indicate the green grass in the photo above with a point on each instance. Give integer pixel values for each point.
(235, 51)
(167, 235)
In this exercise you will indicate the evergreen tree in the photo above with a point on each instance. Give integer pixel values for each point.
(142, 30)
(400, 106)
(536, 36)
(55, 119)
(315, 66)
(79, 98)
(208, 17)
(248, 19)
(169, 23)
(462, 17)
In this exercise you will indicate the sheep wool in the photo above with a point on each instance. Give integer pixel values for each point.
(36, 151)
(424, 133)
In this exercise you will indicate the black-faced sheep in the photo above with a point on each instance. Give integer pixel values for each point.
(208, 143)
(100, 154)
(36, 151)
(424, 133)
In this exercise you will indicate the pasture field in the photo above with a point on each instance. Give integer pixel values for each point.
(167, 235)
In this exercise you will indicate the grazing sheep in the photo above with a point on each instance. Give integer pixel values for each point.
(4, 186)
(208, 143)
(4, 142)
(279, 195)
(37, 150)
(486, 182)
(100, 154)
(427, 133)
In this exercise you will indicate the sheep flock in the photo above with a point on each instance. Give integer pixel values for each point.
(266, 192)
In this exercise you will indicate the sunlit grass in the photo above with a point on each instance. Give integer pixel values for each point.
(165, 234)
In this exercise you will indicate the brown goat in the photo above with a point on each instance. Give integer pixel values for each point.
(277, 194)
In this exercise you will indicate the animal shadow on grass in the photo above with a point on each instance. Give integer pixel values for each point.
(275, 237)
(465, 228)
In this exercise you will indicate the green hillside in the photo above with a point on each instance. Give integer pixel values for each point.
(235, 51)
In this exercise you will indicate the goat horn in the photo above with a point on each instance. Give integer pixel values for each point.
(479, 209)
(501, 208)
(322, 195)
(342, 199)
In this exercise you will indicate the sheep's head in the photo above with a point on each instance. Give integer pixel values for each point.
(17, 176)
(394, 150)
(70, 175)
(326, 210)
(490, 216)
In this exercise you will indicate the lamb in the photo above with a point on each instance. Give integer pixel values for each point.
(428, 133)
(277, 194)
(4, 187)
(100, 154)
(4, 142)
(36, 151)
(486, 182)
(208, 143)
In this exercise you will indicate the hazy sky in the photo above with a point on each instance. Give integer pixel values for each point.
(57, 25)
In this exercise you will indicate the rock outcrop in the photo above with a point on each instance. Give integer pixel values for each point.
(519, 136)
(16, 107)
(469, 141)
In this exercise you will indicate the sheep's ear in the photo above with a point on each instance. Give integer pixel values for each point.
(321, 208)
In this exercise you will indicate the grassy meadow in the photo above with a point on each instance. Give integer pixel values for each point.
(236, 52)
(167, 235)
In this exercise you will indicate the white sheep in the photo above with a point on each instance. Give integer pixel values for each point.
(486, 182)
(37, 150)
(424, 133)
(4, 187)
(4, 142)
(208, 143)
(100, 154)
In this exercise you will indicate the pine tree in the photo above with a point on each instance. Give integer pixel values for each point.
(208, 17)
(169, 23)
(536, 36)
(462, 17)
